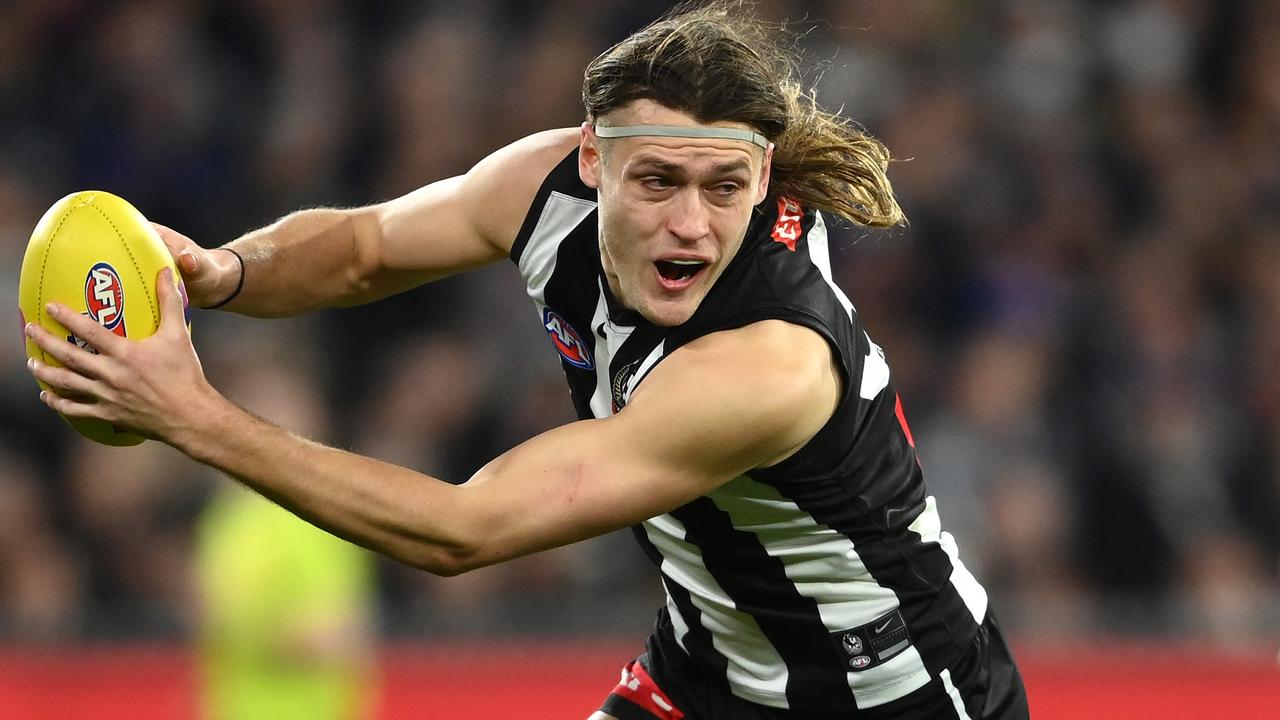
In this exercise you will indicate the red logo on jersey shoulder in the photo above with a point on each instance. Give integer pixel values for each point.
(566, 340)
(104, 298)
(787, 229)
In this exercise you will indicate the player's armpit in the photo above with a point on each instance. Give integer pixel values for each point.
(714, 409)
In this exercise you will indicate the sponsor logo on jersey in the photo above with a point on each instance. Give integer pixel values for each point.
(566, 340)
(787, 229)
(104, 298)
(872, 644)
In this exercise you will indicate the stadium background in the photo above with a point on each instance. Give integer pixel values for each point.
(1083, 318)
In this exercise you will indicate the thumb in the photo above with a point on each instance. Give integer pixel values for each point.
(184, 250)
(172, 297)
(189, 264)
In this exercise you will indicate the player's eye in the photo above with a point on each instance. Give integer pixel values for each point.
(657, 183)
(724, 193)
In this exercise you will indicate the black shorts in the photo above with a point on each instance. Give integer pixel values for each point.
(986, 679)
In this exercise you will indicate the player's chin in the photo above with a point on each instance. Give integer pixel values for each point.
(672, 311)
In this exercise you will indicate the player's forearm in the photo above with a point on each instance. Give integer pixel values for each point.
(405, 515)
(306, 260)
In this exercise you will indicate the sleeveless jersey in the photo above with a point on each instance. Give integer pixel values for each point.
(822, 584)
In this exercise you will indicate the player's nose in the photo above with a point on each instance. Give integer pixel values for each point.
(690, 218)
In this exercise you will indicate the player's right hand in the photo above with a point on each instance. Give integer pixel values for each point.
(209, 276)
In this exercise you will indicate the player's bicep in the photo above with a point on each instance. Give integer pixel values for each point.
(572, 483)
(459, 223)
(430, 232)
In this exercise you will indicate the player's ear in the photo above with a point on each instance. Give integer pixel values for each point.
(589, 159)
(766, 171)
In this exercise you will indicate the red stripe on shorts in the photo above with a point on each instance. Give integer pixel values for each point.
(637, 686)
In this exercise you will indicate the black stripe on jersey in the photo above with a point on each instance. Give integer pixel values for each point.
(759, 586)
(827, 449)
(563, 178)
(710, 663)
(644, 338)
(876, 522)
(712, 666)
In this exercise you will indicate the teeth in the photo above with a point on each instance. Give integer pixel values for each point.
(681, 269)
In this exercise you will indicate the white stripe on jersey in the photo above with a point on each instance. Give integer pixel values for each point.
(824, 565)
(875, 373)
(605, 347)
(954, 694)
(559, 217)
(645, 366)
(820, 255)
(929, 526)
(678, 624)
(756, 671)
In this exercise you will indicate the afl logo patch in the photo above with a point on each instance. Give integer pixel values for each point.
(104, 297)
(566, 340)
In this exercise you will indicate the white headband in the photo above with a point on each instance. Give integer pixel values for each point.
(702, 131)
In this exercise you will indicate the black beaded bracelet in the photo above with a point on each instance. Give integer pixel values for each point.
(239, 284)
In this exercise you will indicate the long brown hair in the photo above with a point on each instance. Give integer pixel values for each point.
(716, 61)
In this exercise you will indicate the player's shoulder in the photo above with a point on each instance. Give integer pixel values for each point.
(783, 360)
(773, 348)
(504, 184)
(787, 243)
(783, 221)
(527, 161)
(778, 377)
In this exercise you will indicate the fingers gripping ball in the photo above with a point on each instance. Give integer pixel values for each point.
(96, 254)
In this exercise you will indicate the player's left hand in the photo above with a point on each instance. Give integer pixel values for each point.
(154, 387)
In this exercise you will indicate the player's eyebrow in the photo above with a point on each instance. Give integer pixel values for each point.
(733, 166)
(653, 163)
(739, 165)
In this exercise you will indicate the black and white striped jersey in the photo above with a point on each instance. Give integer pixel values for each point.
(824, 583)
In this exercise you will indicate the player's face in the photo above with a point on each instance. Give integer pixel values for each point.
(673, 211)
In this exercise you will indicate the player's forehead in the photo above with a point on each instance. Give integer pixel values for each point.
(701, 154)
(689, 161)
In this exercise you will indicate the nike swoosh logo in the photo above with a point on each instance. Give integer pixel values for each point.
(885, 625)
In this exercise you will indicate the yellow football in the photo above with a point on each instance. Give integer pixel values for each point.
(96, 254)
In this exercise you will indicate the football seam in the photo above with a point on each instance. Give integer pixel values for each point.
(155, 315)
(44, 263)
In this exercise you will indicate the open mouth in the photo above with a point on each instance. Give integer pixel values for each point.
(679, 272)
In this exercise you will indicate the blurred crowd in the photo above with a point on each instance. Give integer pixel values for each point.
(1082, 315)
